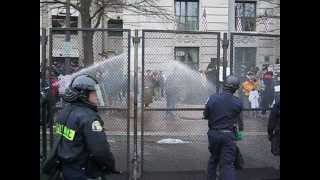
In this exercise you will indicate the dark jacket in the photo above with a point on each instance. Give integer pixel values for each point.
(84, 141)
(224, 112)
(274, 129)
(274, 120)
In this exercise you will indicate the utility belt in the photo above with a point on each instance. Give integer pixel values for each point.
(234, 130)
(223, 130)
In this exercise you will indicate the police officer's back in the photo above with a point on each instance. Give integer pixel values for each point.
(223, 112)
(84, 151)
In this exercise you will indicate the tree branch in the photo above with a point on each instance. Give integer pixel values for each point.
(98, 11)
(149, 7)
(98, 20)
(75, 6)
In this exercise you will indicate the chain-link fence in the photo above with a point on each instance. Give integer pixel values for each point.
(105, 55)
(255, 59)
(179, 70)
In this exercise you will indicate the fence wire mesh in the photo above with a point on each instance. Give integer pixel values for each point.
(175, 88)
(179, 73)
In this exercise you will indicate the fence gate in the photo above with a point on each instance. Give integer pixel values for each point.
(70, 51)
(174, 88)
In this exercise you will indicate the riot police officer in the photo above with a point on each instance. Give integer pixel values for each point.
(83, 150)
(223, 112)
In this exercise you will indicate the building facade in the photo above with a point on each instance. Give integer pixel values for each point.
(254, 16)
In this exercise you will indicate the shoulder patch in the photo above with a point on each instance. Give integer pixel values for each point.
(96, 126)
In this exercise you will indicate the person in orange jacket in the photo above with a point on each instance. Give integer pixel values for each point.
(249, 85)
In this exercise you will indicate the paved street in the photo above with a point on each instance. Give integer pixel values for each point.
(189, 160)
(191, 157)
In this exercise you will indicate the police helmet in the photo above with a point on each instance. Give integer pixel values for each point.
(80, 87)
(231, 83)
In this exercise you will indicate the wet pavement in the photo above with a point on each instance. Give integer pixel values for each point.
(175, 161)
(189, 160)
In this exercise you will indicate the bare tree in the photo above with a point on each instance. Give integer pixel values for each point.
(91, 17)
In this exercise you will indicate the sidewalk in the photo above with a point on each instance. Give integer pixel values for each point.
(245, 174)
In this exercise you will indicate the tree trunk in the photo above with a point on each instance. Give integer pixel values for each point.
(87, 36)
(87, 41)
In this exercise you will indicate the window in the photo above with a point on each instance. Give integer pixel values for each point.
(266, 59)
(59, 21)
(245, 19)
(188, 56)
(116, 24)
(187, 14)
(244, 61)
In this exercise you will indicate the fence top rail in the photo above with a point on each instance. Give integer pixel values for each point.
(254, 34)
(180, 32)
(88, 29)
(198, 109)
(101, 108)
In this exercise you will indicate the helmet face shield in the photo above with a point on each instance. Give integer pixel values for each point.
(99, 95)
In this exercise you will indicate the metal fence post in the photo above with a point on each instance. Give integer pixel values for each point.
(231, 54)
(142, 105)
(135, 173)
(128, 106)
(67, 44)
(44, 104)
(218, 63)
(225, 45)
(50, 98)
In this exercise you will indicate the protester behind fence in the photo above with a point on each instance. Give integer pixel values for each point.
(247, 86)
(156, 84)
(75, 67)
(57, 68)
(173, 91)
(148, 88)
(211, 72)
(54, 83)
(254, 100)
(255, 71)
(162, 83)
(268, 90)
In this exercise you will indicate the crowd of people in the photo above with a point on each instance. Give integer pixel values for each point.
(257, 91)
(57, 69)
